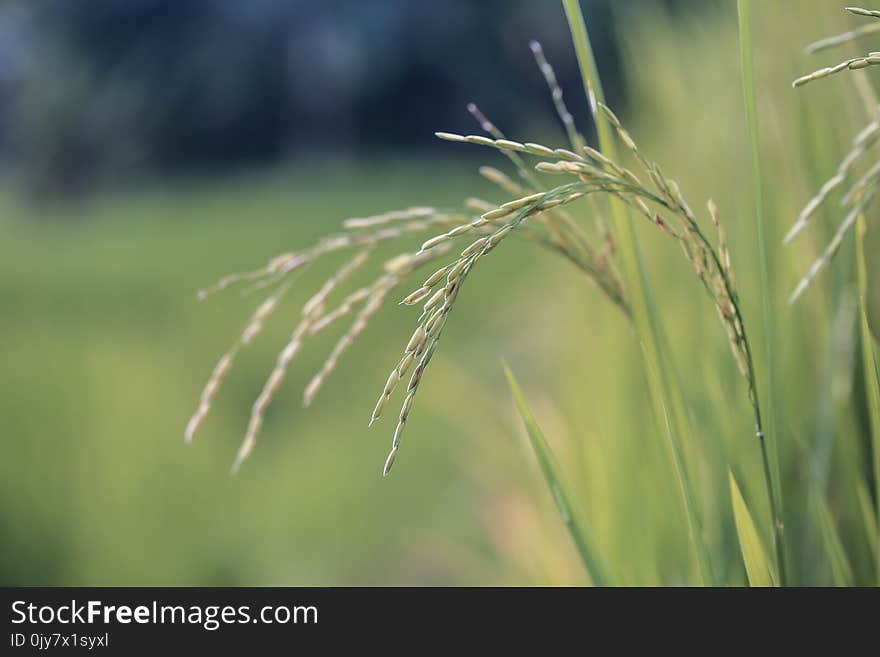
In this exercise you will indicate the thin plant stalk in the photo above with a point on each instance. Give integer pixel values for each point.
(769, 453)
(644, 313)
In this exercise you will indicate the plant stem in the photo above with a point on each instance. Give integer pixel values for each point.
(647, 323)
(769, 454)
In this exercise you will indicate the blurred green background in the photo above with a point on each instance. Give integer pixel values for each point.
(104, 348)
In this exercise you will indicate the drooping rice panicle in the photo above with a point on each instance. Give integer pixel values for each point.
(592, 173)
(862, 192)
(407, 221)
(862, 143)
(834, 245)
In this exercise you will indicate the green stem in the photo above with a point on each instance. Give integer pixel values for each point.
(769, 453)
(668, 412)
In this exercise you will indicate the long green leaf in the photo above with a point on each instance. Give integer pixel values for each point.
(769, 452)
(869, 362)
(577, 526)
(758, 566)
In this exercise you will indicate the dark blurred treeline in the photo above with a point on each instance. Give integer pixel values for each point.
(92, 90)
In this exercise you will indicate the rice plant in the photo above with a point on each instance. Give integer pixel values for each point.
(541, 211)
(538, 215)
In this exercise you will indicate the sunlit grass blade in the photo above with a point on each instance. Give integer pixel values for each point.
(758, 566)
(577, 526)
(841, 570)
(869, 362)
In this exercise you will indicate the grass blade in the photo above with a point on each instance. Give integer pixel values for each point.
(869, 361)
(577, 527)
(758, 566)
(769, 452)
